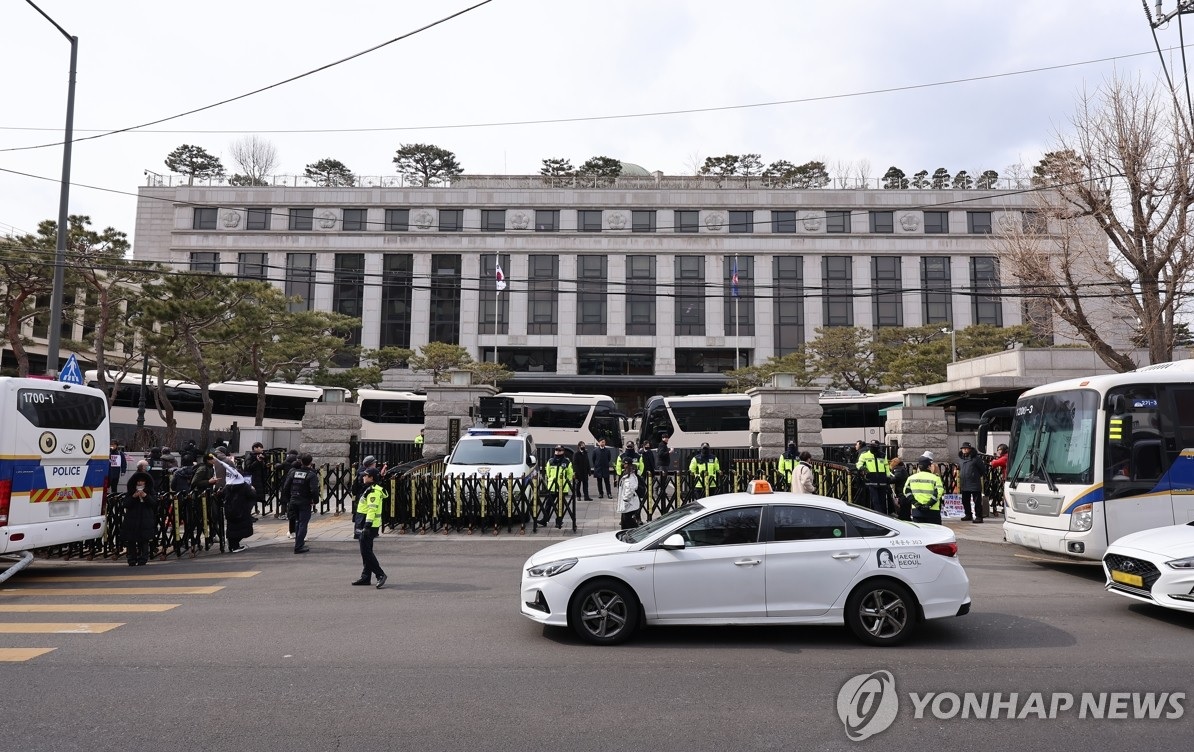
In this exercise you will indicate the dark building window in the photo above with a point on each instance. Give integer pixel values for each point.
(642, 220)
(936, 222)
(205, 218)
(937, 295)
(493, 220)
(396, 292)
(543, 294)
(205, 261)
(348, 296)
(1035, 222)
(300, 280)
(594, 361)
(838, 287)
(444, 324)
(837, 221)
(690, 295)
(355, 220)
(686, 220)
(253, 266)
(984, 280)
(524, 359)
(591, 279)
(302, 219)
(783, 221)
(397, 220)
(740, 309)
(888, 291)
(882, 221)
(257, 218)
(641, 294)
(978, 222)
(547, 220)
(788, 273)
(451, 220)
(705, 360)
(491, 301)
(742, 221)
(588, 220)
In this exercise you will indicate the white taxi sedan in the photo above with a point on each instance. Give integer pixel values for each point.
(751, 558)
(1154, 566)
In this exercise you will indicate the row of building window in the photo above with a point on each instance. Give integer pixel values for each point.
(640, 295)
(620, 361)
(590, 220)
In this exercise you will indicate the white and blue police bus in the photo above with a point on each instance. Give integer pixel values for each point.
(53, 463)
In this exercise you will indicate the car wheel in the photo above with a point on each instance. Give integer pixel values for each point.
(881, 612)
(604, 612)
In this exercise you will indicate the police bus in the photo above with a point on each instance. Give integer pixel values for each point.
(1094, 459)
(53, 463)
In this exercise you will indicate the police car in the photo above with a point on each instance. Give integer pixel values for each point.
(751, 558)
(490, 452)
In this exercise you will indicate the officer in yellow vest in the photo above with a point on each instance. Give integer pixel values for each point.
(419, 444)
(873, 464)
(706, 467)
(925, 491)
(557, 475)
(787, 463)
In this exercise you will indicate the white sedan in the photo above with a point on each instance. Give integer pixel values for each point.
(1154, 566)
(751, 558)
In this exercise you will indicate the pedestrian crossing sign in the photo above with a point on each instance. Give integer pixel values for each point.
(70, 372)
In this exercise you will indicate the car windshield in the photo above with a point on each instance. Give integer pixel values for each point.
(499, 450)
(1053, 438)
(643, 532)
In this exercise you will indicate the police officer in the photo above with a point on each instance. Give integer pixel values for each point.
(786, 465)
(300, 488)
(370, 506)
(419, 444)
(873, 464)
(925, 491)
(557, 475)
(706, 467)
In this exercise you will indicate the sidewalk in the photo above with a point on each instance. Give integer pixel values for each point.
(594, 516)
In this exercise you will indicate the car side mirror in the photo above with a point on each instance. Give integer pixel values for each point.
(673, 542)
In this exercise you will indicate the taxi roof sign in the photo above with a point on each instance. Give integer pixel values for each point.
(758, 487)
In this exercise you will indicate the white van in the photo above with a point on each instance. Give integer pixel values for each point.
(489, 452)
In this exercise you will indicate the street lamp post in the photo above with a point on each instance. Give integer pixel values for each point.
(953, 342)
(63, 202)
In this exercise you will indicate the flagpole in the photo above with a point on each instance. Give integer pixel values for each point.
(497, 309)
(737, 315)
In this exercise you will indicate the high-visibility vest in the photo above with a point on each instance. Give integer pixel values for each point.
(558, 474)
(874, 466)
(926, 490)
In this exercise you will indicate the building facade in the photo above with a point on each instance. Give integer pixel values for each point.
(639, 285)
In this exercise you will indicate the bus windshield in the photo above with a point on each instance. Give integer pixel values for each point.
(1053, 438)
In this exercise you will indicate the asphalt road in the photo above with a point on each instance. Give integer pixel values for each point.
(294, 658)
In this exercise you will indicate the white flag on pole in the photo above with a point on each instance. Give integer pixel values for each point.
(501, 279)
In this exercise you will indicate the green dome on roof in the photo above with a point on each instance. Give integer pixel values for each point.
(632, 170)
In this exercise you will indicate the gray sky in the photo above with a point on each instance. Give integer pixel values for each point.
(518, 60)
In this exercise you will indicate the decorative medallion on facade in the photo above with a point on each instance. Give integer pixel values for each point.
(616, 220)
(715, 221)
(231, 219)
(424, 220)
(520, 220)
(910, 222)
(812, 222)
(327, 219)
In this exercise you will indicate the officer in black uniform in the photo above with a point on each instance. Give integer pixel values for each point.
(300, 488)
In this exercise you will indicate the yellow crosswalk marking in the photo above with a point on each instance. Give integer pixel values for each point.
(16, 655)
(52, 627)
(140, 577)
(205, 590)
(81, 608)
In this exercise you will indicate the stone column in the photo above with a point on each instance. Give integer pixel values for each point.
(772, 404)
(917, 428)
(447, 401)
(328, 429)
